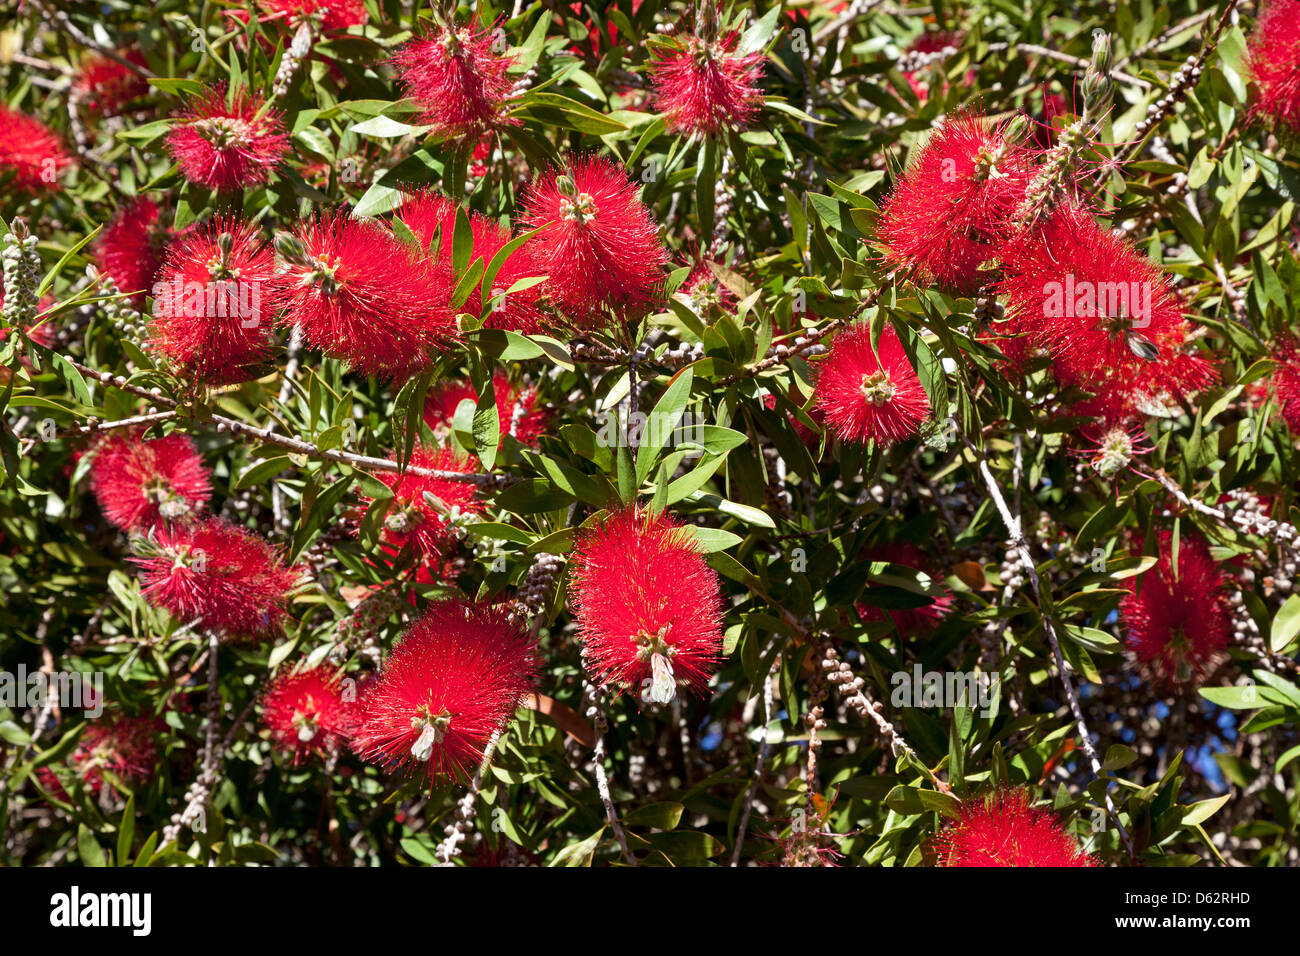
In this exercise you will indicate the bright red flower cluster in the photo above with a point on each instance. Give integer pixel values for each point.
(429, 527)
(703, 87)
(452, 682)
(107, 86)
(31, 156)
(116, 745)
(1178, 619)
(309, 711)
(598, 244)
(225, 578)
(140, 483)
(870, 396)
(1005, 829)
(130, 251)
(1285, 381)
(1273, 56)
(334, 14)
(215, 302)
(649, 609)
(951, 212)
(228, 143)
(360, 294)
(515, 408)
(459, 77)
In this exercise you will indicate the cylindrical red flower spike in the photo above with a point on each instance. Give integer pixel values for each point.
(1273, 56)
(1004, 829)
(106, 86)
(598, 244)
(459, 77)
(131, 249)
(140, 483)
(703, 87)
(451, 683)
(1178, 619)
(649, 609)
(427, 513)
(228, 146)
(333, 14)
(1285, 381)
(115, 744)
(225, 578)
(309, 711)
(864, 397)
(1106, 313)
(515, 408)
(31, 156)
(215, 301)
(361, 295)
(951, 211)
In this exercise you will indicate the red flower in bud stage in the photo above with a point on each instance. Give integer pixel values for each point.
(361, 295)
(428, 214)
(865, 398)
(703, 87)
(141, 483)
(951, 211)
(228, 147)
(106, 86)
(649, 609)
(1285, 381)
(309, 712)
(515, 408)
(1178, 620)
(1274, 61)
(910, 622)
(215, 301)
(120, 746)
(459, 77)
(225, 577)
(31, 156)
(1106, 313)
(1004, 829)
(598, 244)
(334, 14)
(451, 683)
(412, 519)
(130, 251)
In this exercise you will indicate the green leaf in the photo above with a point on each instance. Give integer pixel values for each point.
(91, 853)
(1286, 624)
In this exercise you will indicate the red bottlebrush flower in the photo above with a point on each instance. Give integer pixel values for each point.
(1105, 312)
(1178, 620)
(649, 609)
(214, 302)
(451, 683)
(929, 48)
(515, 408)
(412, 520)
(361, 295)
(1004, 829)
(228, 147)
(31, 156)
(141, 483)
(226, 578)
(334, 14)
(703, 290)
(1285, 381)
(118, 745)
(428, 214)
(703, 87)
(459, 77)
(866, 398)
(951, 211)
(1273, 56)
(598, 244)
(910, 622)
(309, 712)
(1112, 442)
(106, 86)
(131, 250)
